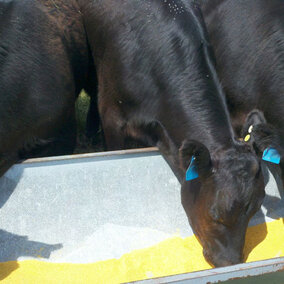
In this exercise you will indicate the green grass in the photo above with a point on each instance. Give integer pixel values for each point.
(82, 106)
(85, 144)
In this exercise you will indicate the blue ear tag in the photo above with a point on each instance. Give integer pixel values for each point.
(271, 155)
(191, 172)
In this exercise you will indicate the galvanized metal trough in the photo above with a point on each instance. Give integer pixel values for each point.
(74, 208)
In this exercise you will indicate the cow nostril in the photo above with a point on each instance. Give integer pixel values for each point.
(230, 260)
(221, 262)
(222, 259)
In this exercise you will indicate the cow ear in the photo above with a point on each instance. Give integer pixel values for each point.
(195, 159)
(263, 137)
(255, 117)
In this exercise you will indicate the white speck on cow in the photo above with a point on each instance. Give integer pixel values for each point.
(175, 7)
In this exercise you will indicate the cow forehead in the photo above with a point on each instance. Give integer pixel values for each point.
(234, 196)
(236, 162)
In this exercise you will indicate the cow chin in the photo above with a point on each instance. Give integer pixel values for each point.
(228, 252)
(224, 258)
(222, 245)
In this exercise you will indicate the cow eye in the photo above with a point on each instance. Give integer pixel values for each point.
(216, 217)
(227, 219)
(226, 222)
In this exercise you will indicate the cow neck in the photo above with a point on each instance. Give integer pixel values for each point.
(211, 131)
(199, 114)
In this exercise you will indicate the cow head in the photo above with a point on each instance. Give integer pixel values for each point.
(221, 201)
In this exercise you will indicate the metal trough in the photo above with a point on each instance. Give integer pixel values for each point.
(64, 201)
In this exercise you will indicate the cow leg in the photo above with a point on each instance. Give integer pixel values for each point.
(113, 138)
(113, 134)
(63, 142)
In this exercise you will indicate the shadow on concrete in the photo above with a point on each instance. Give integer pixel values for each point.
(8, 183)
(14, 246)
(274, 209)
(254, 237)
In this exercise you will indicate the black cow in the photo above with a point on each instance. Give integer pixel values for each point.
(44, 63)
(157, 83)
(248, 41)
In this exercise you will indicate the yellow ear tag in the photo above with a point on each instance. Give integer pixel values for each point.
(247, 138)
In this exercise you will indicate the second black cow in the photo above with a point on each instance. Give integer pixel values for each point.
(157, 83)
(44, 64)
(248, 40)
